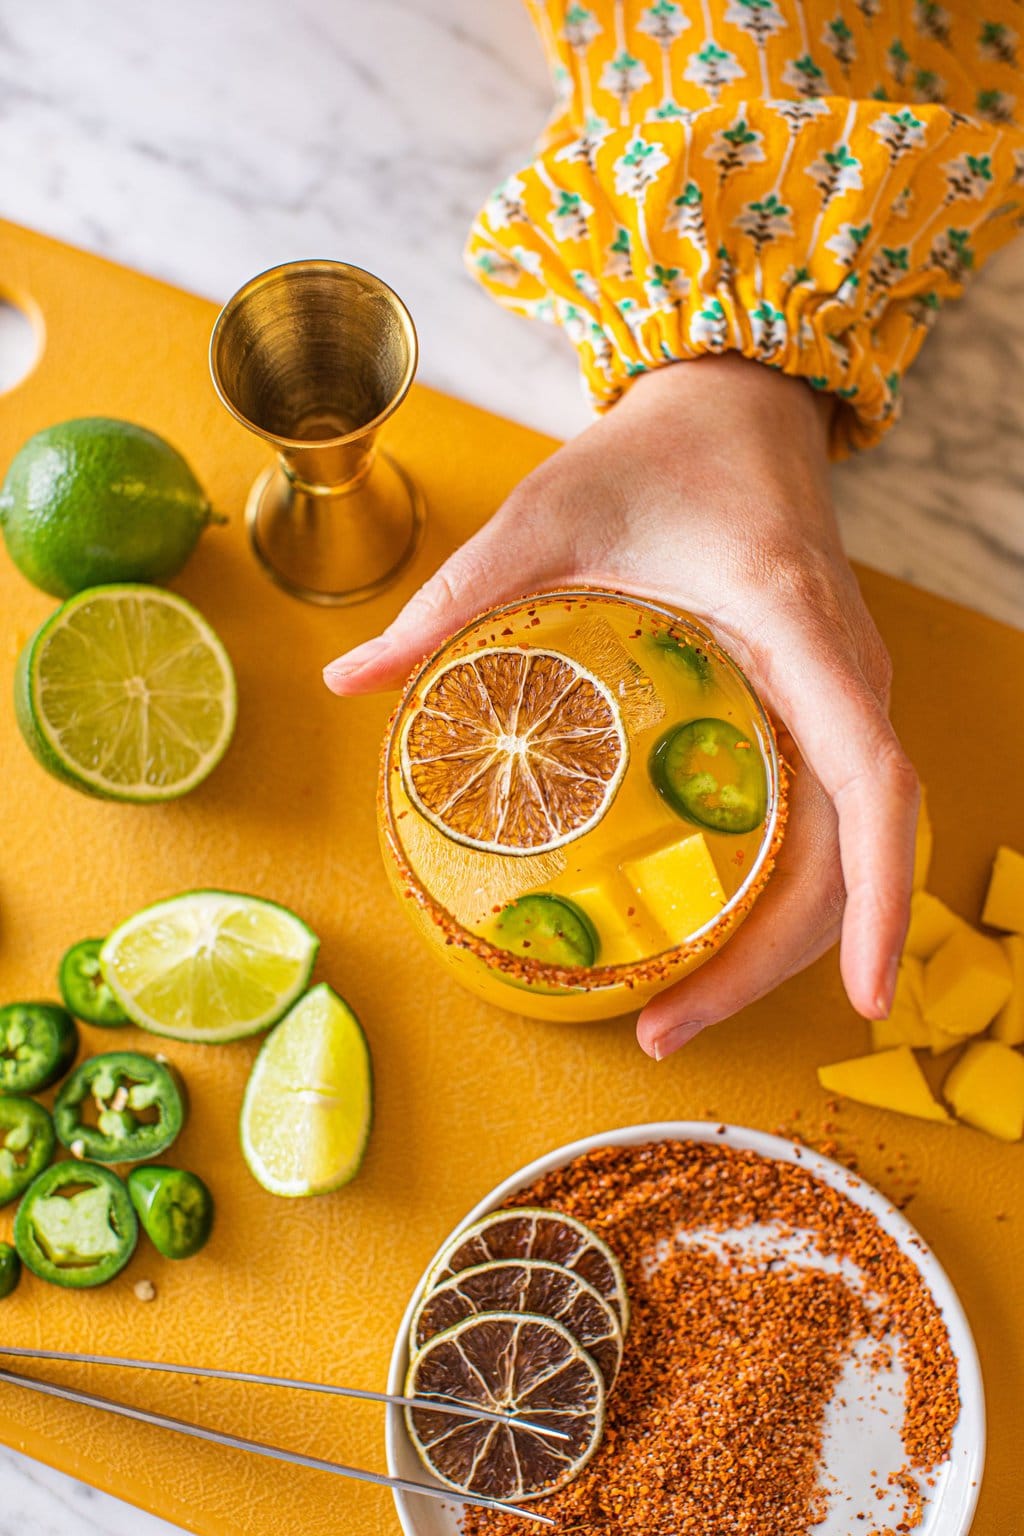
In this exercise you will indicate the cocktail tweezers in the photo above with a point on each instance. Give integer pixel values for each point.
(235, 1442)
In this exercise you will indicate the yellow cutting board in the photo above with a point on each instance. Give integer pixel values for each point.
(465, 1094)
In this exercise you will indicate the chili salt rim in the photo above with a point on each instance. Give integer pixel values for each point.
(656, 968)
(967, 1453)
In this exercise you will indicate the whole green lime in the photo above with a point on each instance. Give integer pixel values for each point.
(97, 500)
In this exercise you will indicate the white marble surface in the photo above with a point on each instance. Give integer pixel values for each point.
(205, 141)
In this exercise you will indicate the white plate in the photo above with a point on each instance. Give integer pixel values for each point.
(853, 1446)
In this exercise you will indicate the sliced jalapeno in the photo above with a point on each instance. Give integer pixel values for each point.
(84, 990)
(696, 661)
(26, 1145)
(75, 1225)
(10, 1270)
(121, 1107)
(38, 1042)
(712, 775)
(547, 928)
(175, 1209)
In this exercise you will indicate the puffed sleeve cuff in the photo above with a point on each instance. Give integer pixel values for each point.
(818, 236)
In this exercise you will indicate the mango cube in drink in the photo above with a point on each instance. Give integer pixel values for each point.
(1004, 904)
(986, 1089)
(679, 886)
(625, 934)
(966, 982)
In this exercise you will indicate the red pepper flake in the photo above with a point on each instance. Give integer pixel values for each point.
(716, 1421)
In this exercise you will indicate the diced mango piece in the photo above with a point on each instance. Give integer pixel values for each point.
(905, 1024)
(886, 1080)
(1004, 904)
(1008, 1025)
(939, 1042)
(931, 924)
(620, 927)
(678, 885)
(966, 982)
(986, 1088)
(922, 844)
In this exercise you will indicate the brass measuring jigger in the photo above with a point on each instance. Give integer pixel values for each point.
(314, 357)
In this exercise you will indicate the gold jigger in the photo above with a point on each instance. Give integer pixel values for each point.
(314, 356)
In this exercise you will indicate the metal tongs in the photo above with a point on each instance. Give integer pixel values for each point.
(295, 1458)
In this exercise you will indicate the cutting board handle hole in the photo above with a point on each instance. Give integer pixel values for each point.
(21, 342)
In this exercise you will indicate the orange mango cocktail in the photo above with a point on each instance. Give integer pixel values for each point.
(580, 800)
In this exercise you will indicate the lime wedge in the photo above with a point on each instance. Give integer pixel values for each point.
(209, 965)
(126, 693)
(308, 1106)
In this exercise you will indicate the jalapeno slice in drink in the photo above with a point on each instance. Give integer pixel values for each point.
(84, 990)
(26, 1145)
(547, 928)
(76, 1226)
(38, 1042)
(175, 1209)
(121, 1107)
(711, 774)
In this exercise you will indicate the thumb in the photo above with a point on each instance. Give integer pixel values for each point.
(474, 578)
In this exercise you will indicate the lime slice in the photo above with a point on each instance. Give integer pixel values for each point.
(506, 1362)
(308, 1105)
(209, 965)
(126, 693)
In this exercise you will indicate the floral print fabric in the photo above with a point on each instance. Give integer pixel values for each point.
(802, 182)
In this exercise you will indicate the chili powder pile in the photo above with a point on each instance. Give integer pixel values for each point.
(716, 1422)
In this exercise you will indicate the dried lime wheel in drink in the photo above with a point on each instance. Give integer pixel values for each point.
(513, 1363)
(514, 751)
(533, 1233)
(525, 1285)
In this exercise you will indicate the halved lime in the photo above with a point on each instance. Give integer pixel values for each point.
(209, 965)
(126, 693)
(506, 1362)
(308, 1106)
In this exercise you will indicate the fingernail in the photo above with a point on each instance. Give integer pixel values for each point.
(672, 1039)
(884, 1000)
(356, 660)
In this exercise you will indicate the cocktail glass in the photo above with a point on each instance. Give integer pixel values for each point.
(314, 357)
(623, 753)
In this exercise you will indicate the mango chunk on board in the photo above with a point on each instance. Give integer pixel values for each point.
(986, 1089)
(1004, 903)
(1008, 1025)
(885, 1080)
(966, 982)
(931, 924)
(922, 844)
(678, 885)
(905, 1024)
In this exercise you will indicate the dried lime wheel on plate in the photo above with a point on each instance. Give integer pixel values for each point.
(506, 1362)
(533, 1233)
(529, 1286)
(514, 751)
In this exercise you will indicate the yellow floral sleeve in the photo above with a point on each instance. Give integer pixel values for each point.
(799, 181)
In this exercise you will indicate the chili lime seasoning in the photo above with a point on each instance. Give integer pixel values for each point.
(716, 1423)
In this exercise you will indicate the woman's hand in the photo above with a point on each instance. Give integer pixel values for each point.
(707, 487)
